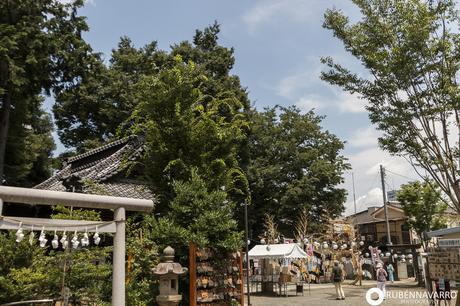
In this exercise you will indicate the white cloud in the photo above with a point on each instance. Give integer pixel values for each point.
(349, 103)
(369, 160)
(267, 10)
(309, 102)
(372, 198)
(299, 11)
(366, 168)
(306, 90)
(92, 2)
(344, 102)
(289, 86)
(364, 137)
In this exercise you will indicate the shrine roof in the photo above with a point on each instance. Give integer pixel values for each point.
(103, 171)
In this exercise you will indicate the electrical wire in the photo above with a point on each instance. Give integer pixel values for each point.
(414, 179)
(401, 175)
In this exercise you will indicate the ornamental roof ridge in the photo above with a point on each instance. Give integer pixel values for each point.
(101, 148)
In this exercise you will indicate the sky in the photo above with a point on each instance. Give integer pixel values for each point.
(278, 45)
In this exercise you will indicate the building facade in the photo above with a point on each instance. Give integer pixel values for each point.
(370, 225)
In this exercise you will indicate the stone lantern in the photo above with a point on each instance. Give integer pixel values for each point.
(168, 273)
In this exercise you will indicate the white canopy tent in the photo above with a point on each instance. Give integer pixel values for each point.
(274, 251)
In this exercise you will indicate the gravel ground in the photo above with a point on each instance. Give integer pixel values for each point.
(324, 295)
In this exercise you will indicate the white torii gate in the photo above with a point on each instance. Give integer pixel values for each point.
(47, 197)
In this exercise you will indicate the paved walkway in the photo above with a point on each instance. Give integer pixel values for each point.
(324, 295)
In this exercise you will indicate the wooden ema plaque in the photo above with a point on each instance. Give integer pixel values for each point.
(444, 263)
(215, 279)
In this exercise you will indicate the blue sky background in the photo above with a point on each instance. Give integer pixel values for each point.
(278, 44)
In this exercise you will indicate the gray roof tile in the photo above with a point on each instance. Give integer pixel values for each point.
(105, 166)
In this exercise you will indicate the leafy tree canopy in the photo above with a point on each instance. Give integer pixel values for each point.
(41, 50)
(185, 129)
(411, 53)
(423, 206)
(96, 107)
(28, 159)
(295, 165)
(204, 216)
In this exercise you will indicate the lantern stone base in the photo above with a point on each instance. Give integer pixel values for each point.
(169, 300)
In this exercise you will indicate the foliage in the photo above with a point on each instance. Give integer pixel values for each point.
(196, 214)
(95, 107)
(295, 165)
(28, 272)
(15, 257)
(410, 51)
(29, 145)
(185, 129)
(41, 50)
(142, 252)
(63, 212)
(185, 103)
(205, 216)
(423, 206)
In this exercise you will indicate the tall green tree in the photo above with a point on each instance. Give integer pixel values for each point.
(423, 207)
(186, 129)
(91, 112)
(410, 53)
(295, 166)
(28, 159)
(41, 49)
(100, 103)
(203, 216)
(198, 214)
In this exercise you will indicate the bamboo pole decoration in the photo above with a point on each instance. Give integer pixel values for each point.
(240, 262)
(192, 271)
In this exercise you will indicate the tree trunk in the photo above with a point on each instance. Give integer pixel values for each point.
(4, 125)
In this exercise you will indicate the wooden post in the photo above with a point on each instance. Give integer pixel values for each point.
(192, 271)
(428, 280)
(457, 298)
(240, 262)
(417, 272)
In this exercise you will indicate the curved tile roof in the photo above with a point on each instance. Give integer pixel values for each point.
(104, 166)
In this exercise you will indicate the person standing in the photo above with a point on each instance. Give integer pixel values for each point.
(391, 271)
(443, 292)
(381, 278)
(337, 278)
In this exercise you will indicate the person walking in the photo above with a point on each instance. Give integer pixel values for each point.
(391, 272)
(381, 278)
(337, 278)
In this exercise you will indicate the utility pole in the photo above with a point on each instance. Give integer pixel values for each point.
(354, 191)
(382, 176)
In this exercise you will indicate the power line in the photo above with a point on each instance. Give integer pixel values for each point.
(414, 179)
(401, 175)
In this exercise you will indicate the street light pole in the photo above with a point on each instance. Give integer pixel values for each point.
(247, 250)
